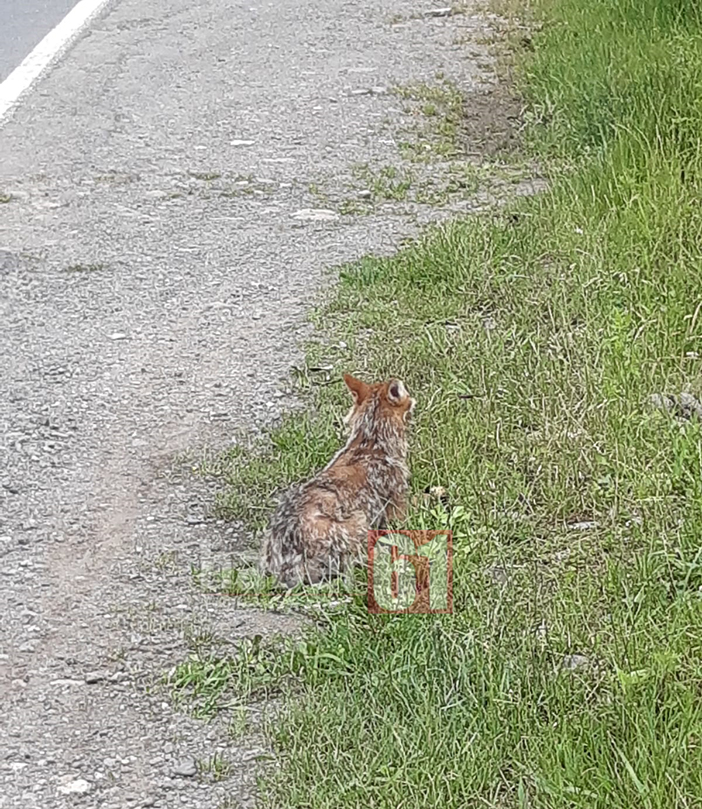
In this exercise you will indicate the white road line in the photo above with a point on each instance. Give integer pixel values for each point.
(49, 49)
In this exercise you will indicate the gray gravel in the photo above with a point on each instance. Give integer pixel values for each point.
(160, 247)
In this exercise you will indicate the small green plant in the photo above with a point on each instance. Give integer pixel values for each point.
(384, 183)
(200, 684)
(167, 560)
(200, 641)
(238, 723)
(315, 190)
(441, 107)
(249, 586)
(355, 207)
(217, 767)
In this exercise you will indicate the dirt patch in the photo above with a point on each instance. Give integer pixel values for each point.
(491, 126)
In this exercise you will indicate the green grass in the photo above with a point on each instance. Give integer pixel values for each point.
(531, 340)
(251, 479)
(216, 767)
(385, 183)
(251, 588)
(460, 179)
(440, 111)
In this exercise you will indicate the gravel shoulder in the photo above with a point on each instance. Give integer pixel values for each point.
(176, 189)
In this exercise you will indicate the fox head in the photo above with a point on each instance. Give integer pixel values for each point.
(383, 406)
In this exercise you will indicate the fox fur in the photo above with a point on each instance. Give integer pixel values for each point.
(320, 528)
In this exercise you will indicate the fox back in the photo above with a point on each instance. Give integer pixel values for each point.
(320, 527)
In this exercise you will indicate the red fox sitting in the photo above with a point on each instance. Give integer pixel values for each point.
(320, 527)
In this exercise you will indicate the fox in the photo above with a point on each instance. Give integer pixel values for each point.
(320, 527)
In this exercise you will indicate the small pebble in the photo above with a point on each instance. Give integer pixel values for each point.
(315, 215)
(187, 768)
(439, 12)
(78, 787)
(575, 661)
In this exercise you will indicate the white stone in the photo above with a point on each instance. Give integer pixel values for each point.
(316, 215)
(78, 787)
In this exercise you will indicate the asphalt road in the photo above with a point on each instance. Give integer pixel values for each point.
(23, 24)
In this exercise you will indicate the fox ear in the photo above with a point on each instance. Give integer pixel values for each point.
(359, 390)
(397, 392)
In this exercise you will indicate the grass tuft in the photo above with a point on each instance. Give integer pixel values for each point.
(440, 110)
